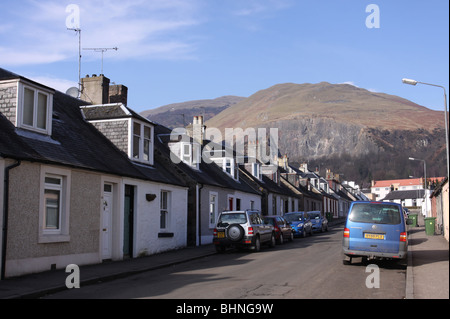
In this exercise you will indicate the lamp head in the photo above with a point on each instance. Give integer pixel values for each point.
(409, 81)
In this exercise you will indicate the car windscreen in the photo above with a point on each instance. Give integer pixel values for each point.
(233, 218)
(314, 215)
(294, 217)
(375, 213)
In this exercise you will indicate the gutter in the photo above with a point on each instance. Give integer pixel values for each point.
(5, 215)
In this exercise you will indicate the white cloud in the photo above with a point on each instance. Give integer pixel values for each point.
(350, 83)
(254, 7)
(53, 82)
(141, 29)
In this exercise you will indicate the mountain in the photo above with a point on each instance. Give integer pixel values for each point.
(173, 115)
(340, 102)
(361, 134)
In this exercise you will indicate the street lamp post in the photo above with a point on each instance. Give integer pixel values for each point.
(426, 186)
(414, 82)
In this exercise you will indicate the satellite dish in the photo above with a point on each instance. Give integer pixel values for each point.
(73, 92)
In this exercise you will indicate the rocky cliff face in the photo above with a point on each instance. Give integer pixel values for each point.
(315, 137)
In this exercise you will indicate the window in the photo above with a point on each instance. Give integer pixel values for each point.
(136, 140)
(52, 199)
(147, 142)
(213, 209)
(230, 167)
(142, 149)
(55, 205)
(35, 109)
(256, 170)
(165, 209)
(186, 153)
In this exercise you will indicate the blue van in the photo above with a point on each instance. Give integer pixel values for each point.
(375, 230)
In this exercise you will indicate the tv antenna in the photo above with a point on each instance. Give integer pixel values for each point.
(102, 50)
(78, 30)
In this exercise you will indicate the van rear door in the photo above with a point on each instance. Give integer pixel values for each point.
(375, 227)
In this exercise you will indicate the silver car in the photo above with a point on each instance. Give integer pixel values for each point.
(242, 229)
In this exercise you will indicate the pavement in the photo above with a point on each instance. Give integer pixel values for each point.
(427, 275)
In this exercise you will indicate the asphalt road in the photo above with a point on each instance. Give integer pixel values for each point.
(307, 268)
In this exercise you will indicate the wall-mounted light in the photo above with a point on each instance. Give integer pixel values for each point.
(150, 197)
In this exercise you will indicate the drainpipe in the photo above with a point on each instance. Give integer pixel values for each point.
(199, 210)
(5, 215)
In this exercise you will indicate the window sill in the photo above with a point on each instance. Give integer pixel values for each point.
(165, 235)
(47, 239)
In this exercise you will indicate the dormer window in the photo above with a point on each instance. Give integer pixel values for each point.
(229, 166)
(34, 111)
(141, 146)
(256, 170)
(190, 154)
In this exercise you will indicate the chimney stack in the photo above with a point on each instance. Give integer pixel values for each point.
(95, 89)
(198, 129)
(118, 94)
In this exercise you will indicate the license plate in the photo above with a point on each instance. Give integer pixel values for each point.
(221, 234)
(373, 236)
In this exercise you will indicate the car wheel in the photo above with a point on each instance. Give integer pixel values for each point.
(235, 232)
(257, 246)
(291, 237)
(273, 241)
(304, 233)
(281, 239)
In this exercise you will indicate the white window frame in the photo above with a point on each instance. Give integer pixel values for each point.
(142, 139)
(256, 170)
(186, 157)
(213, 213)
(60, 234)
(192, 157)
(21, 112)
(165, 210)
(229, 162)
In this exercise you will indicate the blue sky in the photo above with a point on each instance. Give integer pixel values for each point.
(179, 50)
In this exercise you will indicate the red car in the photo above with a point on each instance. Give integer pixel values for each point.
(283, 229)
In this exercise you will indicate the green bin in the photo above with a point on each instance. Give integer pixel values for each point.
(413, 217)
(429, 225)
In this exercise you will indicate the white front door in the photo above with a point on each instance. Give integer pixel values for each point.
(106, 230)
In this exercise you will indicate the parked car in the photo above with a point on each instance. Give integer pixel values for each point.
(375, 230)
(283, 229)
(242, 229)
(300, 222)
(319, 222)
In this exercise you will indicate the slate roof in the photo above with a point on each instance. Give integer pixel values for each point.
(74, 142)
(408, 194)
(209, 174)
(110, 112)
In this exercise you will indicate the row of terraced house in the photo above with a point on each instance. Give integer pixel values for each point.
(88, 179)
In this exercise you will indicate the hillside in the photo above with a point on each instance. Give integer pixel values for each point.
(172, 115)
(338, 125)
(341, 102)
